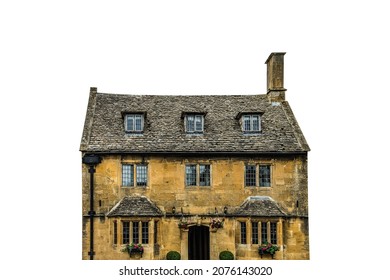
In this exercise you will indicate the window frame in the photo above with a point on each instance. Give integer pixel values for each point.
(198, 175)
(135, 175)
(141, 234)
(134, 117)
(252, 118)
(258, 180)
(192, 128)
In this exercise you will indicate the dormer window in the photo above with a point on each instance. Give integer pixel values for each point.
(194, 123)
(134, 123)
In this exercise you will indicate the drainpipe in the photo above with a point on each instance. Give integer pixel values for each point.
(91, 160)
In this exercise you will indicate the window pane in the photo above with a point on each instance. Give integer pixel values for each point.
(264, 238)
(145, 232)
(191, 175)
(204, 176)
(130, 123)
(255, 233)
(127, 175)
(265, 176)
(155, 232)
(138, 123)
(274, 239)
(126, 232)
(243, 233)
(190, 124)
(199, 123)
(255, 123)
(250, 175)
(247, 123)
(142, 175)
(135, 232)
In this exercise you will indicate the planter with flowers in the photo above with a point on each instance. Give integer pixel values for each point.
(268, 248)
(134, 250)
(216, 224)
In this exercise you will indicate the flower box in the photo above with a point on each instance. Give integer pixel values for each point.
(268, 248)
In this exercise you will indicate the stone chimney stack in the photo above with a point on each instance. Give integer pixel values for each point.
(275, 73)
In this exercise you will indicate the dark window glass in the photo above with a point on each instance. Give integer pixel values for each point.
(250, 175)
(255, 233)
(135, 232)
(243, 232)
(264, 238)
(115, 233)
(145, 232)
(126, 232)
(155, 232)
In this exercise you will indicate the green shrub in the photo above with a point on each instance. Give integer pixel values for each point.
(173, 255)
(226, 255)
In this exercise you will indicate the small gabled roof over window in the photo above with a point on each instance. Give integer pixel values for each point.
(135, 206)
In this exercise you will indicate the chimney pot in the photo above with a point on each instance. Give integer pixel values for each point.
(93, 90)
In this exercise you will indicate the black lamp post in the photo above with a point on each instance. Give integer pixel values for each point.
(91, 160)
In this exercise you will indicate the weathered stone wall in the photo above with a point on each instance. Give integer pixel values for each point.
(166, 187)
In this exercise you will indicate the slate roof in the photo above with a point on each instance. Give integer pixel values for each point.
(164, 126)
(135, 206)
(259, 206)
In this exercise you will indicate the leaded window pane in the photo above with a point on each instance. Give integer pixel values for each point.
(255, 123)
(191, 175)
(243, 233)
(265, 176)
(204, 175)
(199, 123)
(125, 232)
(255, 233)
(247, 123)
(138, 123)
(250, 175)
(190, 123)
(142, 175)
(135, 232)
(145, 232)
(115, 233)
(264, 238)
(127, 175)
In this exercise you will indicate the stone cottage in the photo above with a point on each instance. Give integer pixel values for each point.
(195, 174)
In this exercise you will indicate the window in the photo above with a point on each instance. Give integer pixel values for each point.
(258, 175)
(134, 123)
(145, 232)
(135, 238)
(251, 123)
(141, 175)
(255, 233)
(127, 175)
(243, 233)
(264, 234)
(125, 232)
(134, 232)
(265, 175)
(250, 175)
(194, 123)
(198, 175)
(155, 232)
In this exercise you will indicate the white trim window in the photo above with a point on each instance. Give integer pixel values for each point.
(251, 123)
(134, 123)
(194, 123)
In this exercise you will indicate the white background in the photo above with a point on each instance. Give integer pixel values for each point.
(336, 73)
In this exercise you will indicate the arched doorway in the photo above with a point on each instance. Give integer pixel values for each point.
(198, 243)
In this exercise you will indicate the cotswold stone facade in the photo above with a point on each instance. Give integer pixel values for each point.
(195, 174)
